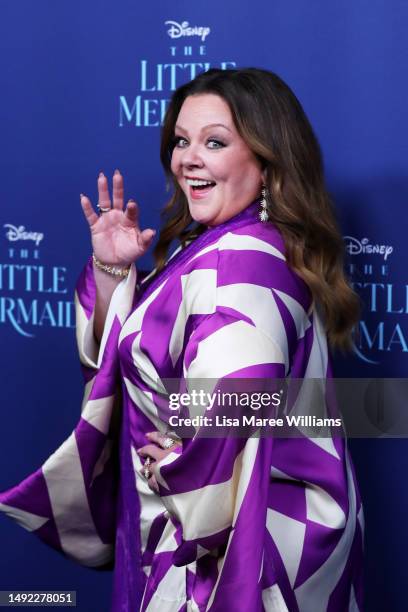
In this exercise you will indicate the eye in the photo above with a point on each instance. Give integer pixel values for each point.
(214, 143)
(179, 142)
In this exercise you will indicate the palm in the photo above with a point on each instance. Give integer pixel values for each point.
(116, 235)
(116, 241)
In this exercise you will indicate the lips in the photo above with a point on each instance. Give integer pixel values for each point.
(197, 187)
(198, 193)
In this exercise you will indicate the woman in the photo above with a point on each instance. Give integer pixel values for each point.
(253, 292)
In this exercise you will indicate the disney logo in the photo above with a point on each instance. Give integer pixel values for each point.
(177, 30)
(14, 233)
(356, 247)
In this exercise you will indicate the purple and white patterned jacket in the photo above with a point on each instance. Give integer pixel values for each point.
(242, 524)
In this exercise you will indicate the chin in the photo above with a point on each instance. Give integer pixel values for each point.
(201, 216)
(204, 219)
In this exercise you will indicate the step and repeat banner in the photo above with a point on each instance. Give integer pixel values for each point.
(84, 86)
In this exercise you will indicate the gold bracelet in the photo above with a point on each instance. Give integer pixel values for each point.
(110, 269)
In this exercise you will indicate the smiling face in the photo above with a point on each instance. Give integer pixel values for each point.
(213, 165)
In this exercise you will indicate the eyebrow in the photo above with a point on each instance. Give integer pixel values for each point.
(178, 127)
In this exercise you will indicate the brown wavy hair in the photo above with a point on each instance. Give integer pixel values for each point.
(271, 121)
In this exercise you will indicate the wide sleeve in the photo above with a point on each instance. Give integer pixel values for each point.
(90, 353)
(70, 502)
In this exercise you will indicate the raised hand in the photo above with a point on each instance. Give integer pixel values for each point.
(116, 236)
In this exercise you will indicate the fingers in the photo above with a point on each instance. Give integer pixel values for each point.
(89, 212)
(104, 200)
(156, 436)
(132, 220)
(146, 237)
(117, 190)
(161, 439)
(103, 191)
(153, 484)
(150, 477)
(132, 214)
(151, 450)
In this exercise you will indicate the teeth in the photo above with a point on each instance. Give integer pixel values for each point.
(198, 183)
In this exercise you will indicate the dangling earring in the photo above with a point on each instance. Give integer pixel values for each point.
(263, 213)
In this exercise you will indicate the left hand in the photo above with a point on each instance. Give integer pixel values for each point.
(156, 451)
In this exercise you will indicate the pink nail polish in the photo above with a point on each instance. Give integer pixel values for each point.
(101, 174)
(116, 171)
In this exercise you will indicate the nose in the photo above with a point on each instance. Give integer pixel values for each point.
(191, 157)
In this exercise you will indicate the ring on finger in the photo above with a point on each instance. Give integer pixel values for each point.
(167, 442)
(146, 471)
(103, 209)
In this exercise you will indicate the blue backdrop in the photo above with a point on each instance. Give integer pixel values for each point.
(83, 89)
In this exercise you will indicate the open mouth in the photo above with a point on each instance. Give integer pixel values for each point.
(200, 188)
